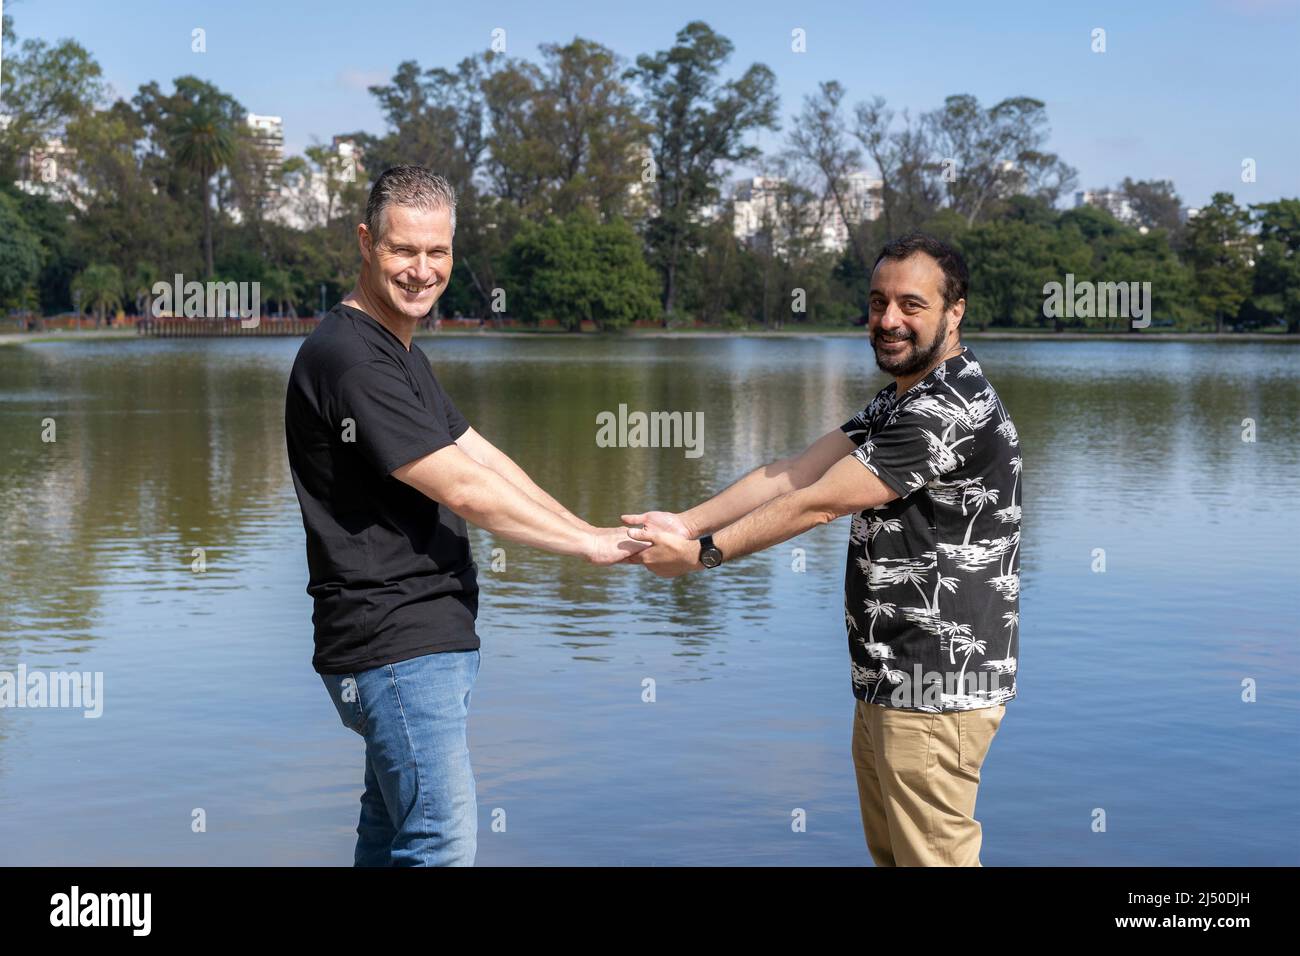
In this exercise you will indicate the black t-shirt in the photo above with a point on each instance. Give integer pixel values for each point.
(390, 569)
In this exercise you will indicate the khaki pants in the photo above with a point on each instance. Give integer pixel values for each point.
(918, 774)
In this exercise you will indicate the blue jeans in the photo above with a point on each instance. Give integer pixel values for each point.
(419, 807)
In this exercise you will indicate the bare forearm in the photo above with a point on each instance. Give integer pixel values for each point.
(784, 517)
(763, 484)
(750, 492)
(497, 505)
(847, 487)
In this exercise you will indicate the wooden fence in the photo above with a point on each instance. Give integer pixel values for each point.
(174, 328)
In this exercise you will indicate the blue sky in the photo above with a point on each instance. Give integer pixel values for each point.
(1184, 91)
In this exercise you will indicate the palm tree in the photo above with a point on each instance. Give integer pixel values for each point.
(980, 496)
(887, 673)
(914, 577)
(970, 646)
(954, 632)
(876, 525)
(100, 288)
(278, 287)
(141, 289)
(875, 609)
(204, 143)
(1013, 620)
(949, 583)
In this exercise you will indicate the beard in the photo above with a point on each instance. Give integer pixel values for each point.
(913, 359)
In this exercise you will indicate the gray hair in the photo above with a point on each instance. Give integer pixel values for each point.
(408, 186)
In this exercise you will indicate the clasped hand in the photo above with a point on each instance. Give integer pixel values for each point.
(671, 551)
(659, 540)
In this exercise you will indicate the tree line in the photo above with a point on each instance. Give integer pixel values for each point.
(596, 189)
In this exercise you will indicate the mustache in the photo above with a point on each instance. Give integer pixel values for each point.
(894, 337)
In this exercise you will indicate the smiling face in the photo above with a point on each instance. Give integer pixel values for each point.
(405, 269)
(909, 326)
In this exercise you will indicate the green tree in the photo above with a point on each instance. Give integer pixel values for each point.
(277, 286)
(578, 269)
(721, 293)
(1277, 265)
(697, 124)
(61, 256)
(1121, 253)
(124, 212)
(995, 153)
(21, 254)
(909, 191)
(1155, 204)
(564, 132)
(44, 88)
(187, 198)
(205, 144)
(140, 288)
(99, 288)
(819, 139)
(1220, 252)
(1010, 263)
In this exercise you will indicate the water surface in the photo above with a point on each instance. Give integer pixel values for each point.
(1130, 681)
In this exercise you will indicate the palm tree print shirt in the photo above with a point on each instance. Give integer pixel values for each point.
(932, 587)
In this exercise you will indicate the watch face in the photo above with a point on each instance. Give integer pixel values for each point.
(710, 557)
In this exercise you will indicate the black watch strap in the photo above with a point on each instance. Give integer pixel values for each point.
(710, 554)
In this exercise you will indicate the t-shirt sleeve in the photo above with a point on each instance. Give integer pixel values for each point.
(456, 423)
(389, 424)
(925, 440)
(856, 427)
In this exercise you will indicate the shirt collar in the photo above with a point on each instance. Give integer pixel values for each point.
(368, 321)
(949, 366)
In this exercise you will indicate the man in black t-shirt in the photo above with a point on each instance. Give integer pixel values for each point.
(387, 472)
(930, 470)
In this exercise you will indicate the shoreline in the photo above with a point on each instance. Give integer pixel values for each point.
(90, 335)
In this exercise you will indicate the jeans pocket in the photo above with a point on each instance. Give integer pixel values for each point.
(346, 695)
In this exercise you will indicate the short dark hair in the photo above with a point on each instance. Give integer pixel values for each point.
(408, 186)
(956, 277)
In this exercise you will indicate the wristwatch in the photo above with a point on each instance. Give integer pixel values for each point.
(710, 555)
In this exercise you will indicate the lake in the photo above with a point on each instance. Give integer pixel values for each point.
(1131, 679)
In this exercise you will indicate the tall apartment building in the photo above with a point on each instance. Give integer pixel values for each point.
(1113, 201)
(49, 169)
(310, 198)
(268, 145)
(757, 211)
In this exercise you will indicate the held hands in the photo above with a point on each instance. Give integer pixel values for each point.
(612, 545)
(658, 521)
(671, 551)
(660, 540)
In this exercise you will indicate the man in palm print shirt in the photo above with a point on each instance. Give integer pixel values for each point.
(932, 586)
(930, 470)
